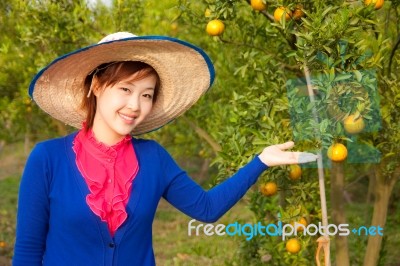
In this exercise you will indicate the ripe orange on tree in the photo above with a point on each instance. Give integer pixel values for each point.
(337, 152)
(280, 11)
(293, 245)
(215, 27)
(174, 26)
(302, 221)
(378, 3)
(353, 124)
(269, 188)
(295, 172)
(258, 5)
(298, 13)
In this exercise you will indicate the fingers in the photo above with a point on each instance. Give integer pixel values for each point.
(300, 157)
(305, 157)
(285, 146)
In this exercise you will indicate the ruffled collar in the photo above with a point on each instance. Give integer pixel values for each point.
(104, 148)
(108, 172)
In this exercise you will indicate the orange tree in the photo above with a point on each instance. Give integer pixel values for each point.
(35, 32)
(301, 76)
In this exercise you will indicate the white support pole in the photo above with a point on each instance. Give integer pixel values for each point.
(320, 165)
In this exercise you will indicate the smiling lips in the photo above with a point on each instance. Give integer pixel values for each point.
(128, 118)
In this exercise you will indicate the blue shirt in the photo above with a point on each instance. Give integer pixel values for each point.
(55, 226)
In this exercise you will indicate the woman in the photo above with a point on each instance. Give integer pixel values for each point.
(89, 198)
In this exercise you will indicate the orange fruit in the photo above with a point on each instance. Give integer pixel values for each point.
(280, 11)
(258, 5)
(3, 244)
(353, 125)
(302, 221)
(269, 189)
(337, 152)
(295, 172)
(378, 3)
(174, 26)
(298, 12)
(215, 27)
(293, 245)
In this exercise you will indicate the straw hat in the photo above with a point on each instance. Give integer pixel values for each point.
(185, 71)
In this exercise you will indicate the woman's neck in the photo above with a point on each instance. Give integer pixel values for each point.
(105, 138)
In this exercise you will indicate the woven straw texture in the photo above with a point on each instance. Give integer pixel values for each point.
(184, 76)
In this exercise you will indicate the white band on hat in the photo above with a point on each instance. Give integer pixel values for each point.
(117, 36)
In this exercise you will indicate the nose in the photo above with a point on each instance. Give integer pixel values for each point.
(134, 102)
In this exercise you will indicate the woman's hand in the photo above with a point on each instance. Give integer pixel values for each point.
(276, 155)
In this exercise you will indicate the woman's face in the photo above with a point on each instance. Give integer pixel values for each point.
(121, 107)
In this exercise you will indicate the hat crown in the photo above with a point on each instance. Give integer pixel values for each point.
(117, 36)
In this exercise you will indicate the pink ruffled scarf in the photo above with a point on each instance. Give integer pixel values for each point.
(108, 172)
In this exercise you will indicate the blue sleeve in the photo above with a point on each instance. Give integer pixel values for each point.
(33, 210)
(207, 206)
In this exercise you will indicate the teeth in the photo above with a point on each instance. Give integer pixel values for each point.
(127, 117)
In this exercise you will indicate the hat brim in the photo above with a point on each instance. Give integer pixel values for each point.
(186, 73)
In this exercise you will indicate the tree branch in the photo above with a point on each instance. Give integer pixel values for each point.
(291, 41)
(396, 46)
(203, 134)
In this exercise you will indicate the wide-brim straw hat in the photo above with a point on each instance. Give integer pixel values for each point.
(186, 73)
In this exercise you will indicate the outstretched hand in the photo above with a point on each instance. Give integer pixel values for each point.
(276, 155)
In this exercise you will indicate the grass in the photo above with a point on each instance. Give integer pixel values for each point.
(8, 207)
(173, 245)
(12, 159)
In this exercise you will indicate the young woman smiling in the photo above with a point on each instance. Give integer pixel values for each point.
(89, 198)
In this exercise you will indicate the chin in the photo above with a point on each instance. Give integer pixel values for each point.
(125, 132)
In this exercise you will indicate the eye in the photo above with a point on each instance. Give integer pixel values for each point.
(124, 89)
(147, 95)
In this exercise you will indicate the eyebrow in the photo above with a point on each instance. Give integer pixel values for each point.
(133, 85)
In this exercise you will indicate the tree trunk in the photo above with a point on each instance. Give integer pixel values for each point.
(383, 189)
(203, 134)
(2, 144)
(203, 173)
(370, 193)
(371, 186)
(338, 213)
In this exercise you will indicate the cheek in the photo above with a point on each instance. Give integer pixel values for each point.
(149, 106)
(110, 102)
(102, 104)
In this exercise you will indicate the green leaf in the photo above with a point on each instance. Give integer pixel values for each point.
(326, 11)
(332, 74)
(341, 77)
(328, 49)
(358, 75)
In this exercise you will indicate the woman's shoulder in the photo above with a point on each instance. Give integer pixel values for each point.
(55, 143)
(147, 145)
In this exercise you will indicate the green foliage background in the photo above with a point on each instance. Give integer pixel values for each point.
(259, 65)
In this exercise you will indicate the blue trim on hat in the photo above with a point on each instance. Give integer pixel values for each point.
(151, 37)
